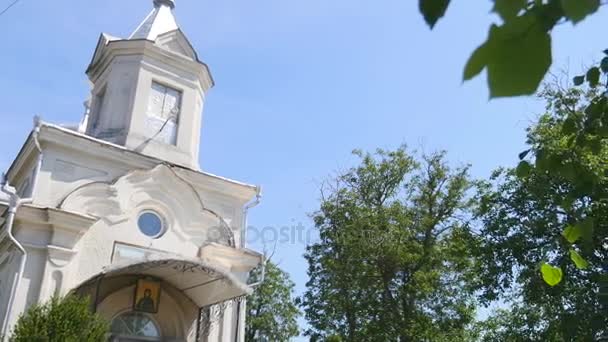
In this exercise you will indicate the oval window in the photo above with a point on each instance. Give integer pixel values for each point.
(150, 224)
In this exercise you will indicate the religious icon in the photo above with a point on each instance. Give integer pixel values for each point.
(147, 296)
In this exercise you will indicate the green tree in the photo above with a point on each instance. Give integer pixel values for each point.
(518, 323)
(517, 52)
(66, 319)
(272, 311)
(546, 220)
(393, 259)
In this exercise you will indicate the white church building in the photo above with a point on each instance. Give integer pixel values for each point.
(117, 208)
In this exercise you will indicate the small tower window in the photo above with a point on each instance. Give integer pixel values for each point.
(95, 113)
(164, 107)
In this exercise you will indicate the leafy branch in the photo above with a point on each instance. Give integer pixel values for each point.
(517, 53)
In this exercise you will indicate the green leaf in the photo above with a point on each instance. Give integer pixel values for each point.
(542, 159)
(519, 55)
(432, 10)
(568, 202)
(554, 162)
(577, 10)
(604, 65)
(578, 80)
(551, 275)
(595, 110)
(578, 260)
(587, 228)
(568, 171)
(603, 131)
(476, 63)
(569, 125)
(572, 233)
(508, 9)
(523, 169)
(593, 76)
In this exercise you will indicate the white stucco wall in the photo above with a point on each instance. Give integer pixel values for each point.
(91, 189)
(9, 264)
(111, 189)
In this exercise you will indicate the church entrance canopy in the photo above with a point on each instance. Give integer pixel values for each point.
(202, 283)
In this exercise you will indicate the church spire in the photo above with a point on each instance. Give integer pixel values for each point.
(170, 3)
(158, 22)
(149, 90)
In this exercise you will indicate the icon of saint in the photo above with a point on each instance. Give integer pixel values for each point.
(146, 303)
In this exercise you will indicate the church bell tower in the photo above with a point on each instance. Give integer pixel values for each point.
(116, 208)
(148, 91)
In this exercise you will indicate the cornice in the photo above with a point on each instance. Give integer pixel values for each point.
(236, 259)
(200, 179)
(67, 227)
(75, 222)
(27, 150)
(219, 185)
(72, 140)
(142, 47)
(82, 143)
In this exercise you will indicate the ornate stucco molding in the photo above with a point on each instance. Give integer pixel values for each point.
(160, 188)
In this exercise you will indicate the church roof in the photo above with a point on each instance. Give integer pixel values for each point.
(66, 137)
(158, 22)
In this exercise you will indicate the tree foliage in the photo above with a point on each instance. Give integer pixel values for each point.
(518, 323)
(393, 258)
(66, 319)
(544, 235)
(271, 310)
(517, 52)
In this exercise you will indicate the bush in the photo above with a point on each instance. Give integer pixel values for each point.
(66, 319)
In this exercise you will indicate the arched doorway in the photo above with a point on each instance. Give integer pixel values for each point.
(183, 288)
(134, 326)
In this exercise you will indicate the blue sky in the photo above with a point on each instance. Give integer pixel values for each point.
(299, 84)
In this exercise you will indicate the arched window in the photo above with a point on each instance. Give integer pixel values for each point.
(134, 326)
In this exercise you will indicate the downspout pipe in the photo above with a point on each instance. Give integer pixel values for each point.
(255, 202)
(241, 304)
(13, 204)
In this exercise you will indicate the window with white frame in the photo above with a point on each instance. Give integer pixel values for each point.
(134, 326)
(164, 107)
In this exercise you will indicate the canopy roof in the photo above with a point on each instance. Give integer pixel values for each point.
(204, 284)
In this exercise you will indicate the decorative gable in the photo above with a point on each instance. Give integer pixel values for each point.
(176, 41)
(102, 42)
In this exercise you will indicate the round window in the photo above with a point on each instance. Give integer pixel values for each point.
(150, 224)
